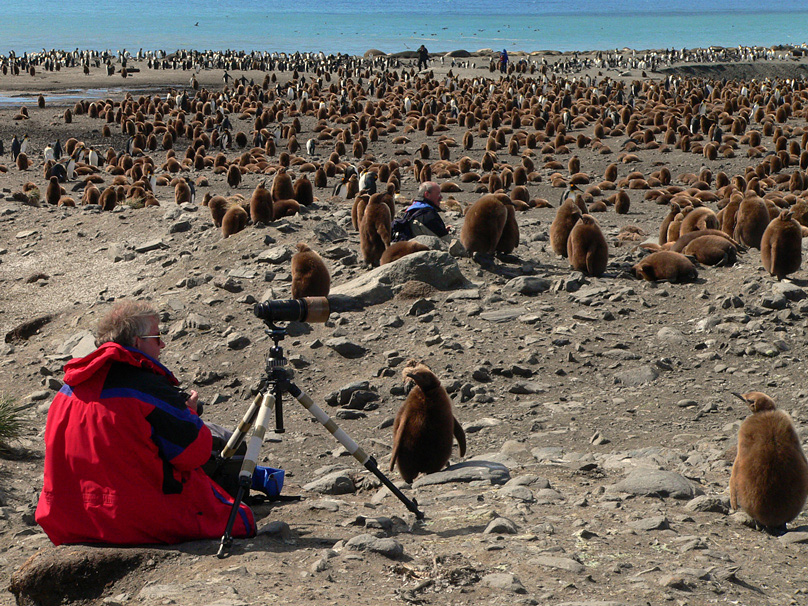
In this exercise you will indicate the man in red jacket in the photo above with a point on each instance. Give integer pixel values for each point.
(124, 447)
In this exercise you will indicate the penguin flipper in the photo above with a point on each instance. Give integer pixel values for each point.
(398, 429)
(460, 436)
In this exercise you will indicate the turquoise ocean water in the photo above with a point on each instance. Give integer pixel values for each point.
(390, 26)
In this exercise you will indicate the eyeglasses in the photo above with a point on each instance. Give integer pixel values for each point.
(151, 337)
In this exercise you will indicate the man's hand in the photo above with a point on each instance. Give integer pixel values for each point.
(192, 400)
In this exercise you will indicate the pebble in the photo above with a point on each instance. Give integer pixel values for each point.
(671, 335)
(274, 256)
(636, 376)
(794, 537)
(518, 493)
(237, 341)
(500, 526)
(529, 285)
(504, 581)
(150, 245)
(343, 395)
(470, 471)
(389, 548)
(646, 482)
(567, 564)
(338, 482)
(650, 523)
(346, 348)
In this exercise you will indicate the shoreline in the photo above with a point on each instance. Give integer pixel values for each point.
(70, 84)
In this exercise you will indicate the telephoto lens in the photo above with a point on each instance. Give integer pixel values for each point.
(308, 309)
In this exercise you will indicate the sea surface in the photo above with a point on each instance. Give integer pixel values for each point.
(334, 26)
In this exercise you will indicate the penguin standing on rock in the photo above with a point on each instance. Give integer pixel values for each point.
(424, 426)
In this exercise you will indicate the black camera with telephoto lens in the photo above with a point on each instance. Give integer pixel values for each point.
(307, 309)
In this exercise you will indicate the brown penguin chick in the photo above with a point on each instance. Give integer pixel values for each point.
(483, 225)
(182, 192)
(663, 229)
(781, 246)
(109, 198)
(352, 187)
(401, 249)
(712, 250)
(424, 426)
(622, 203)
(666, 266)
(92, 195)
(218, 206)
(310, 277)
(509, 239)
(22, 161)
(751, 221)
(587, 249)
(320, 178)
(358, 210)
(234, 220)
(54, 191)
(729, 214)
(676, 225)
(566, 217)
(769, 479)
(682, 242)
(261, 205)
(374, 230)
(304, 192)
(698, 218)
(285, 208)
(233, 176)
(282, 188)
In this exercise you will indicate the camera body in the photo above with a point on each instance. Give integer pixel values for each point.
(307, 309)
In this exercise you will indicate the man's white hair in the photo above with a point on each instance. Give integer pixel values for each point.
(425, 187)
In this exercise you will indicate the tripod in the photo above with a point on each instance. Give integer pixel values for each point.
(275, 382)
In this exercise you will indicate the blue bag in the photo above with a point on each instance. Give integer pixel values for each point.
(268, 480)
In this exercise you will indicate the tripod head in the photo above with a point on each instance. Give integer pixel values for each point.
(308, 309)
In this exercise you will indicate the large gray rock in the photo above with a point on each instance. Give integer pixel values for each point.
(644, 481)
(79, 345)
(468, 471)
(433, 267)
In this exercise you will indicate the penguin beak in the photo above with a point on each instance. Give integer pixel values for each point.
(739, 396)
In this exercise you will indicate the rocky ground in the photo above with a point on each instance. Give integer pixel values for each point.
(598, 411)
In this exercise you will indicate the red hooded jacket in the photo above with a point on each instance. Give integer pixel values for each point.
(123, 457)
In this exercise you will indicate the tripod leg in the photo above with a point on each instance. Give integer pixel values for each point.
(244, 427)
(257, 438)
(248, 466)
(352, 447)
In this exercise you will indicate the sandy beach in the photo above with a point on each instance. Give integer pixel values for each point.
(598, 409)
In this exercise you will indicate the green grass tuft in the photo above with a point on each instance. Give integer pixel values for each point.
(10, 423)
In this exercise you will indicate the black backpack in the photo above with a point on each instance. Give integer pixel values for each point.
(401, 229)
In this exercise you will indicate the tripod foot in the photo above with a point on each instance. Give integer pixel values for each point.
(224, 547)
